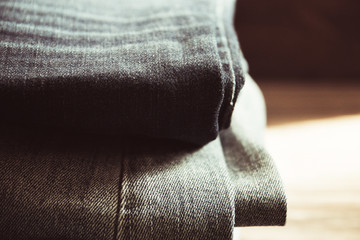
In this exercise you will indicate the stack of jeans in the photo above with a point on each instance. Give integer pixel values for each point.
(130, 120)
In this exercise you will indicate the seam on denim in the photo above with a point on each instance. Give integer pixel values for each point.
(120, 185)
(231, 190)
(227, 73)
(238, 78)
(220, 15)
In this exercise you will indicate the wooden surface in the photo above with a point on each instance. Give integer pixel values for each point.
(314, 137)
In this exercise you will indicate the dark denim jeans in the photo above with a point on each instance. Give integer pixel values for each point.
(158, 68)
(111, 113)
(72, 186)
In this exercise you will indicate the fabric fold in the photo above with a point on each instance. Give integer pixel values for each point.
(157, 68)
(61, 186)
(101, 103)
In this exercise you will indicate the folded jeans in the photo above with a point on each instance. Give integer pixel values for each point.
(61, 186)
(101, 103)
(159, 68)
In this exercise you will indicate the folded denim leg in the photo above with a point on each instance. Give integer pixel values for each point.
(66, 187)
(61, 186)
(160, 68)
(55, 186)
(259, 194)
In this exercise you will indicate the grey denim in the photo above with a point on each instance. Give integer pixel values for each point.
(60, 186)
(101, 102)
(159, 68)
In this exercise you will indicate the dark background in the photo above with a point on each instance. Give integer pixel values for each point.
(307, 39)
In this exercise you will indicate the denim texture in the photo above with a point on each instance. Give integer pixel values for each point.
(159, 68)
(74, 186)
(110, 124)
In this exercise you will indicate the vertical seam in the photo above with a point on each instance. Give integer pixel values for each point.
(120, 186)
(228, 75)
(220, 20)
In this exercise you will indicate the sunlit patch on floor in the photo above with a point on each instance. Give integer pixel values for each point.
(319, 161)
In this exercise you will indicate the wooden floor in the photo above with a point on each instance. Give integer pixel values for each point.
(314, 137)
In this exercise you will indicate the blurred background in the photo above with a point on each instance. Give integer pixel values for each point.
(300, 38)
(305, 56)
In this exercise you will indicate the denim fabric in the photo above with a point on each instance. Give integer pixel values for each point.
(101, 103)
(160, 68)
(75, 186)
(260, 198)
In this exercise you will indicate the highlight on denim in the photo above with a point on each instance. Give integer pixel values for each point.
(159, 68)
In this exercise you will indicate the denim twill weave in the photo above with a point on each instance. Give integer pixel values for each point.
(159, 68)
(71, 186)
(94, 98)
